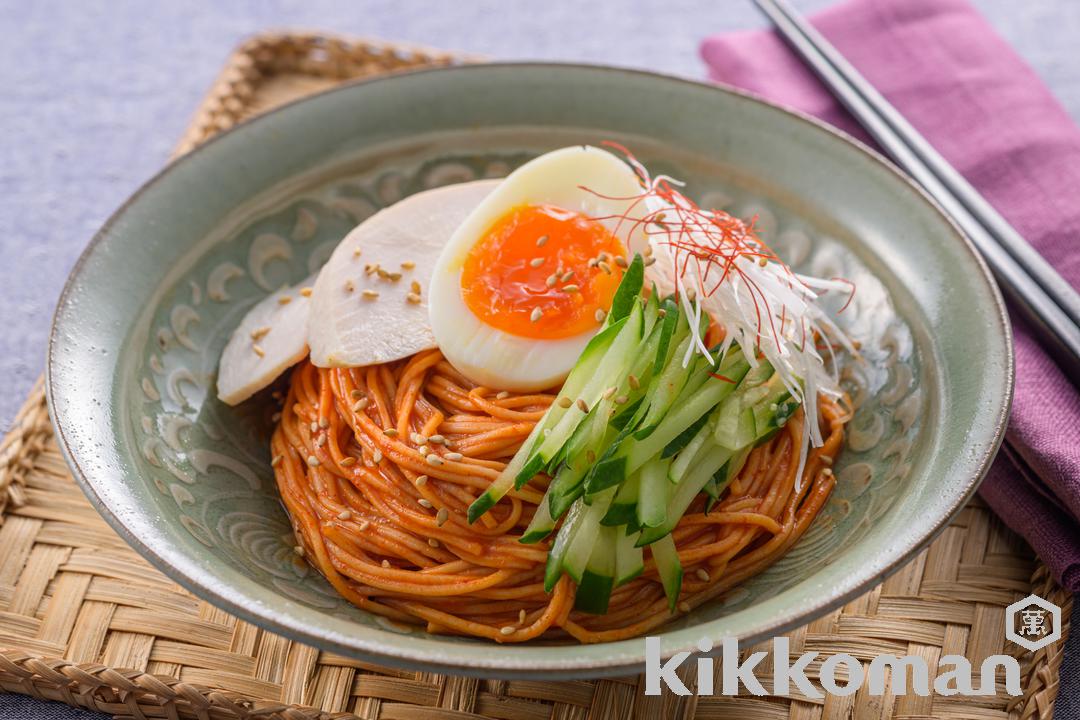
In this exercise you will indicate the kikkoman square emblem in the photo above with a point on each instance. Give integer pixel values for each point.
(1033, 623)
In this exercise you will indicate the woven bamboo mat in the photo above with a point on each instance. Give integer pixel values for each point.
(86, 621)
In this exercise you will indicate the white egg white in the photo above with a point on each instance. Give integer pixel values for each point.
(581, 178)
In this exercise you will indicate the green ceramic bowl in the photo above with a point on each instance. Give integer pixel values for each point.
(186, 480)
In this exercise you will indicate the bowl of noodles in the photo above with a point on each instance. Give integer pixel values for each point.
(504, 386)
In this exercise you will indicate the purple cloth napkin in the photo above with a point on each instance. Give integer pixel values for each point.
(982, 107)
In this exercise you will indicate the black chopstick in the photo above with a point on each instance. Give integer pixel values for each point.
(1042, 296)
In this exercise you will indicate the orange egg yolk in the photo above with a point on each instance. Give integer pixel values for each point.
(530, 275)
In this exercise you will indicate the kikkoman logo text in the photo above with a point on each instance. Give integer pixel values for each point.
(1032, 623)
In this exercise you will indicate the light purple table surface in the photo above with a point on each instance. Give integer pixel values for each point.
(95, 93)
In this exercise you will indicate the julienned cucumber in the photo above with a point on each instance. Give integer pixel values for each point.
(669, 569)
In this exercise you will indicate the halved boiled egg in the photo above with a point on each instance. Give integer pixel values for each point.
(529, 275)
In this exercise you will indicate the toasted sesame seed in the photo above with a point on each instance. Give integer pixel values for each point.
(570, 288)
(348, 462)
(590, 456)
(691, 294)
(364, 525)
(412, 298)
(385, 564)
(313, 461)
(277, 460)
(356, 394)
(536, 314)
(324, 423)
(433, 459)
(610, 392)
(442, 516)
(390, 432)
(275, 417)
(360, 404)
(552, 279)
(370, 294)
(507, 630)
(285, 300)
(502, 395)
(258, 351)
(762, 262)
(376, 457)
(424, 502)
(684, 607)
(415, 287)
(257, 335)
(536, 262)
(420, 480)
(826, 460)
(349, 286)
(604, 266)
(604, 257)
(320, 441)
(433, 542)
(647, 252)
(567, 276)
(356, 253)
(592, 262)
(454, 456)
(408, 265)
(437, 439)
(393, 277)
(622, 400)
(582, 405)
(661, 313)
(633, 380)
(521, 616)
(344, 515)
(649, 261)
(541, 241)
(417, 438)
(702, 574)
(565, 402)
(314, 427)
(600, 315)
(298, 550)
(621, 262)
(306, 292)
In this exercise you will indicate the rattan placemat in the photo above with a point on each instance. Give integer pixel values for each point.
(85, 620)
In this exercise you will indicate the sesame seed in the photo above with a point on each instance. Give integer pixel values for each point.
(320, 441)
(356, 394)
(536, 314)
(376, 457)
(298, 550)
(415, 287)
(412, 298)
(408, 265)
(592, 262)
(541, 241)
(442, 516)
(394, 276)
(364, 525)
(257, 335)
(324, 423)
(313, 461)
(582, 405)
(621, 262)
(762, 262)
(521, 616)
(314, 426)
(360, 405)
(348, 462)
(691, 294)
(437, 439)
(826, 460)
(454, 456)
(275, 417)
(434, 459)
(420, 480)
(507, 630)
(258, 351)
(565, 402)
(604, 257)
(604, 266)
(344, 515)
(610, 392)
(277, 460)
(306, 292)
(590, 456)
(567, 276)
(390, 432)
(417, 438)
(649, 261)
(661, 313)
(433, 542)
(349, 286)
(684, 607)
(284, 300)
(385, 564)
(622, 400)
(356, 253)
(552, 279)
(536, 262)
(424, 502)
(600, 315)
(633, 380)
(423, 450)
(648, 251)
(570, 288)
(702, 574)
(370, 294)
(502, 395)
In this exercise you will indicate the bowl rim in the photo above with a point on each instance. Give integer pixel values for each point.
(492, 665)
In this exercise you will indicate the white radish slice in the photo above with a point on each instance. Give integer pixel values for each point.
(360, 316)
(271, 338)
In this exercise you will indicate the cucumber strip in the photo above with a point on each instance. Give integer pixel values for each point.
(725, 475)
(629, 290)
(541, 525)
(667, 331)
(598, 578)
(585, 538)
(689, 440)
(669, 568)
(565, 488)
(625, 503)
(502, 484)
(684, 459)
(629, 558)
(686, 491)
(664, 388)
(653, 496)
(553, 568)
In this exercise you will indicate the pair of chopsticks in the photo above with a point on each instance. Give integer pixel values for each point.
(1036, 291)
